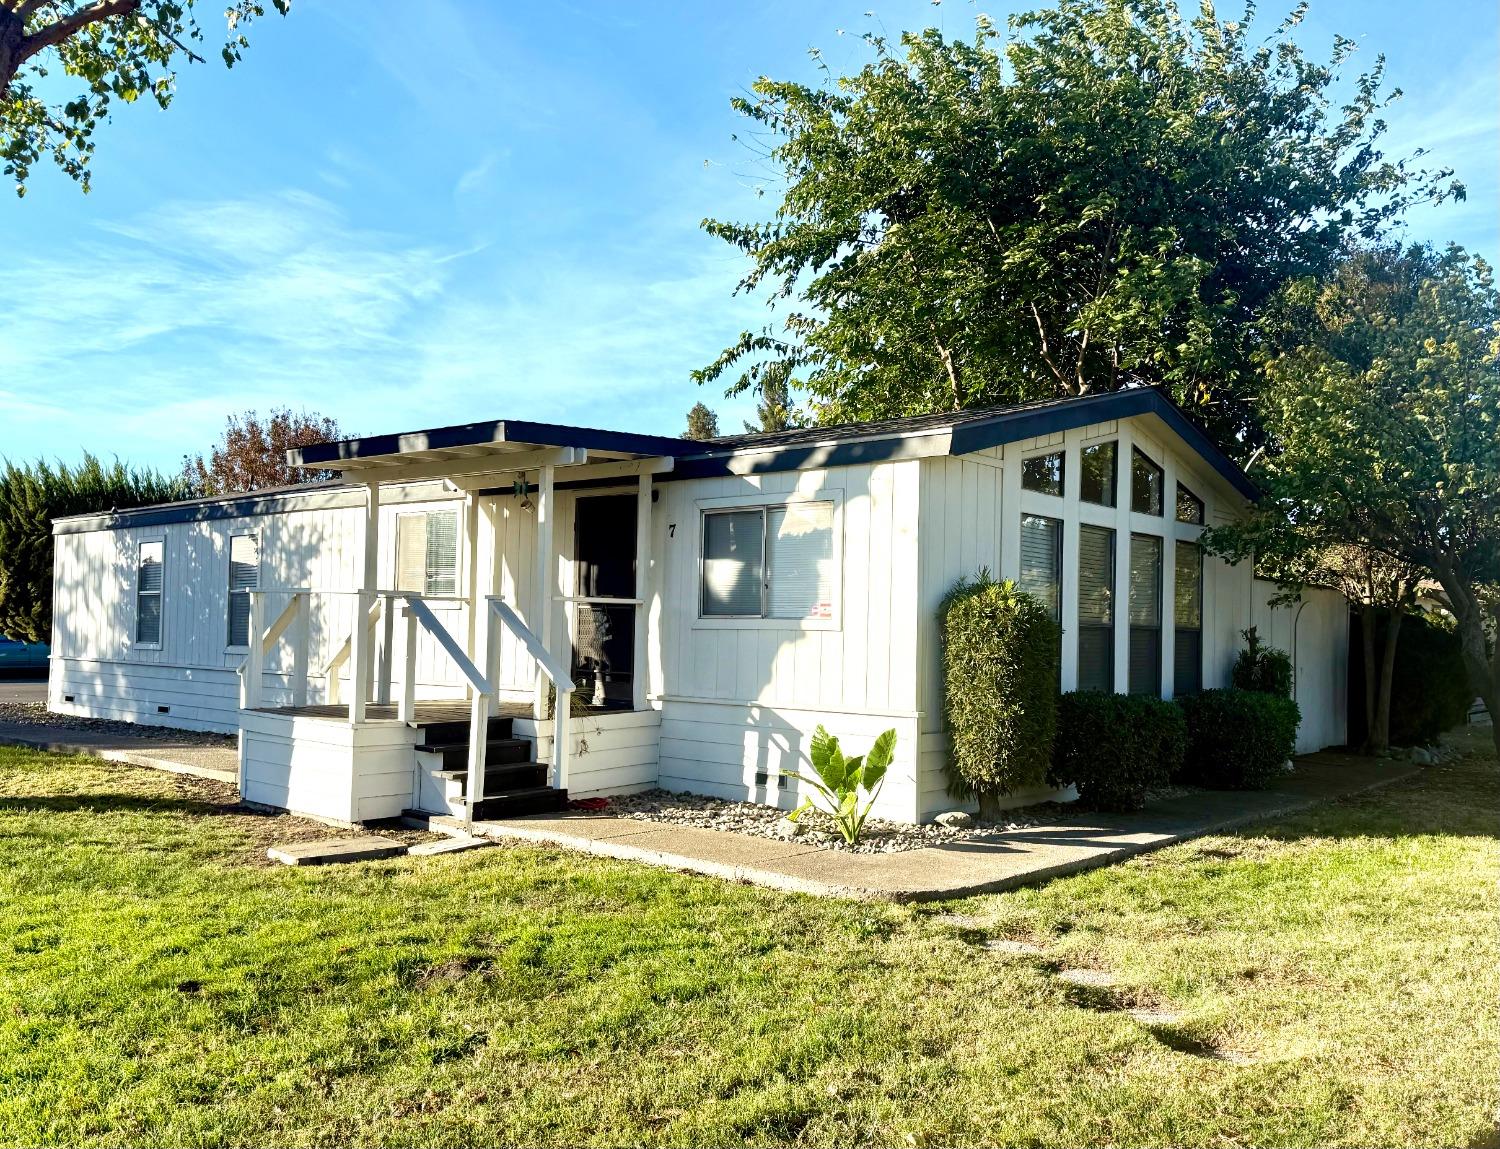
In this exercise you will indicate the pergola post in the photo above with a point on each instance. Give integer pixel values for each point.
(360, 649)
(642, 586)
(546, 574)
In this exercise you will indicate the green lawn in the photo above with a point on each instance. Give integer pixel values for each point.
(1336, 978)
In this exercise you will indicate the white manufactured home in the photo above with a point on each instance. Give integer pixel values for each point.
(477, 619)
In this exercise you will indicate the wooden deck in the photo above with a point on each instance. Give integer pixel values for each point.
(447, 710)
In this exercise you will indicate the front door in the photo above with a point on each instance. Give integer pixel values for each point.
(604, 569)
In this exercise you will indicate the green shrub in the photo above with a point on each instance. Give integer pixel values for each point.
(1115, 747)
(1238, 739)
(1262, 668)
(839, 780)
(999, 689)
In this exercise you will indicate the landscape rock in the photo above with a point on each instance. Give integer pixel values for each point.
(1421, 756)
(786, 828)
(955, 820)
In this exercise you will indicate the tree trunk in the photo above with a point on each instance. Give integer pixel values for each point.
(12, 32)
(989, 807)
(1367, 615)
(1483, 670)
(1379, 740)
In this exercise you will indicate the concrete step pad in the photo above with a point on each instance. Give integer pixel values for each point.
(361, 848)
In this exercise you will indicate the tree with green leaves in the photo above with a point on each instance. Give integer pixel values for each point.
(109, 50)
(1383, 416)
(31, 496)
(774, 411)
(701, 423)
(1107, 199)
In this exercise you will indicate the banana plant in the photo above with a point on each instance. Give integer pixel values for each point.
(839, 781)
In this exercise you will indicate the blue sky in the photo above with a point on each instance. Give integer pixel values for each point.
(413, 215)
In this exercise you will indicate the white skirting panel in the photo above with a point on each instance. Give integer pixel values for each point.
(719, 748)
(327, 769)
(612, 753)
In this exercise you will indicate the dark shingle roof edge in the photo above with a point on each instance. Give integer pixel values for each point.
(805, 448)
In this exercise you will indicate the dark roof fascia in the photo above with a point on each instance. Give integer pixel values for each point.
(214, 510)
(478, 434)
(964, 436)
(1012, 427)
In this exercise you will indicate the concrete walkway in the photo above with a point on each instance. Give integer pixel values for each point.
(953, 870)
(158, 748)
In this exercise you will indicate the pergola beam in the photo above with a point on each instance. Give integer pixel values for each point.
(494, 463)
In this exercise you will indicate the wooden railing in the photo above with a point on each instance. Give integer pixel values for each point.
(548, 668)
(379, 609)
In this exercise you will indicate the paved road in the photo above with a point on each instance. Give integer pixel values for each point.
(15, 688)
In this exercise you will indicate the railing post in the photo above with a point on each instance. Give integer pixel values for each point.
(255, 660)
(479, 723)
(387, 635)
(492, 645)
(359, 657)
(408, 711)
(301, 637)
(562, 736)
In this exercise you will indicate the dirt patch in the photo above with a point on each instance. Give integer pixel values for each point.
(455, 969)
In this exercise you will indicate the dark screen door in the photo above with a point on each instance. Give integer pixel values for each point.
(604, 567)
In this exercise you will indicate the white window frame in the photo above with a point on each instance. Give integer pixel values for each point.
(230, 592)
(766, 501)
(460, 555)
(135, 595)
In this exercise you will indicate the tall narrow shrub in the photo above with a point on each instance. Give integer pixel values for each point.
(999, 689)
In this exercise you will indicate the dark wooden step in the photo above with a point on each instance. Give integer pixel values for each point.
(499, 727)
(497, 751)
(517, 803)
(501, 779)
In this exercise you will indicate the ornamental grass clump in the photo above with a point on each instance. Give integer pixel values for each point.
(839, 781)
(1000, 650)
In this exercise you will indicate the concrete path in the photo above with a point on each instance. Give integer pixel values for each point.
(953, 870)
(157, 748)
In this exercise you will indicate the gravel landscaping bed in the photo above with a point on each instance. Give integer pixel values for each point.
(817, 829)
(37, 714)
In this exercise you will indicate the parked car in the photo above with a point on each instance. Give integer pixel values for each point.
(18, 655)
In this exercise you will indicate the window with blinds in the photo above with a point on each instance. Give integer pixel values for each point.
(1098, 474)
(244, 577)
(1041, 562)
(1146, 484)
(1187, 617)
(768, 562)
(148, 593)
(1096, 609)
(1145, 615)
(427, 552)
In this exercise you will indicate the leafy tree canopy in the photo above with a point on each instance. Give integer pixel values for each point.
(1383, 415)
(1105, 198)
(251, 454)
(31, 496)
(112, 50)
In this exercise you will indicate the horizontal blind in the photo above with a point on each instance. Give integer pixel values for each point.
(148, 593)
(1041, 562)
(411, 553)
(733, 563)
(1145, 660)
(1145, 580)
(1096, 575)
(244, 576)
(1188, 607)
(442, 553)
(799, 566)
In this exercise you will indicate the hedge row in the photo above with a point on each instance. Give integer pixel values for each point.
(1116, 747)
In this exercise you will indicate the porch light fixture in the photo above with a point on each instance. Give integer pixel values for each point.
(518, 488)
